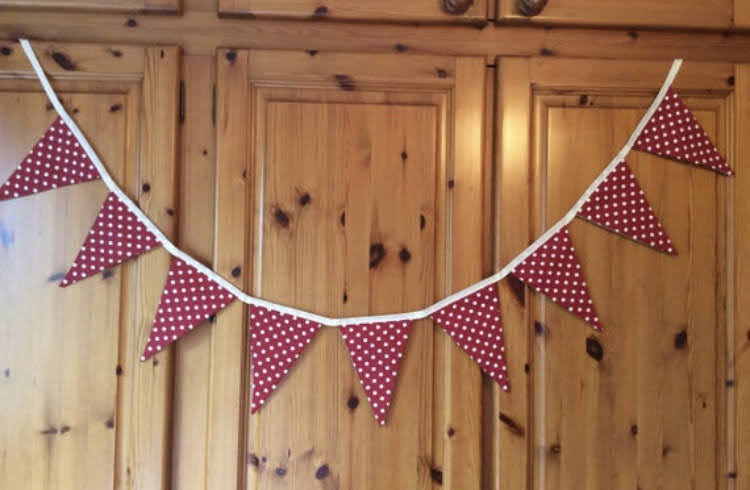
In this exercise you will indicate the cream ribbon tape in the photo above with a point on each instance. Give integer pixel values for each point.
(324, 320)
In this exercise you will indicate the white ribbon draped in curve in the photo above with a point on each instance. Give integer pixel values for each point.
(324, 320)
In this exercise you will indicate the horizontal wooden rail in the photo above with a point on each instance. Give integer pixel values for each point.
(201, 32)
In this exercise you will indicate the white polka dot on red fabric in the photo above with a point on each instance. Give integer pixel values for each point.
(376, 350)
(554, 271)
(116, 236)
(276, 341)
(189, 298)
(619, 204)
(674, 132)
(474, 324)
(56, 160)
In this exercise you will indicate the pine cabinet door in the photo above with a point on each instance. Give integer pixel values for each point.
(644, 404)
(390, 10)
(79, 410)
(715, 14)
(346, 184)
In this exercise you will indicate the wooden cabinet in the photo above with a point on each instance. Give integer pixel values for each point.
(138, 6)
(652, 411)
(79, 410)
(351, 183)
(715, 14)
(391, 10)
(342, 185)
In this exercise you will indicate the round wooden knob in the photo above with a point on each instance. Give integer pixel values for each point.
(530, 8)
(457, 7)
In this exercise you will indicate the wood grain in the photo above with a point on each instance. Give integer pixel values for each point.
(145, 390)
(741, 341)
(741, 14)
(228, 363)
(385, 10)
(207, 32)
(76, 61)
(327, 109)
(102, 413)
(620, 435)
(459, 388)
(639, 13)
(394, 138)
(510, 417)
(195, 234)
(58, 375)
(135, 6)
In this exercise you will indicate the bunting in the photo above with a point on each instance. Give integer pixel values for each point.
(619, 204)
(376, 350)
(188, 298)
(473, 322)
(553, 270)
(116, 236)
(56, 160)
(276, 342)
(674, 132)
(279, 334)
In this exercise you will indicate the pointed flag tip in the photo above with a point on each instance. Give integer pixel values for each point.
(474, 324)
(619, 204)
(198, 297)
(117, 235)
(553, 269)
(277, 340)
(376, 350)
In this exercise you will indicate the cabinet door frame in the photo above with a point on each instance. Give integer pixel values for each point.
(149, 78)
(461, 83)
(525, 86)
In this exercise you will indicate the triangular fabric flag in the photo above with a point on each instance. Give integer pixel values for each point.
(276, 342)
(554, 271)
(674, 132)
(189, 298)
(619, 204)
(473, 322)
(376, 350)
(56, 160)
(117, 235)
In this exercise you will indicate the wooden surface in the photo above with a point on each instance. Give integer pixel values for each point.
(88, 414)
(388, 10)
(739, 344)
(135, 6)
(519, 139)
(663, 13)
(645, 412)
(329, 136)
(200, 31)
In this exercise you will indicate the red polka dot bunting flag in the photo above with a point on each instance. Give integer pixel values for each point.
(674, 132)
(473, 322)
(376, 350)
(554, 271)
(56, 160)
(276, 342)
(116, 236)
(189, 298)
(619, 204)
